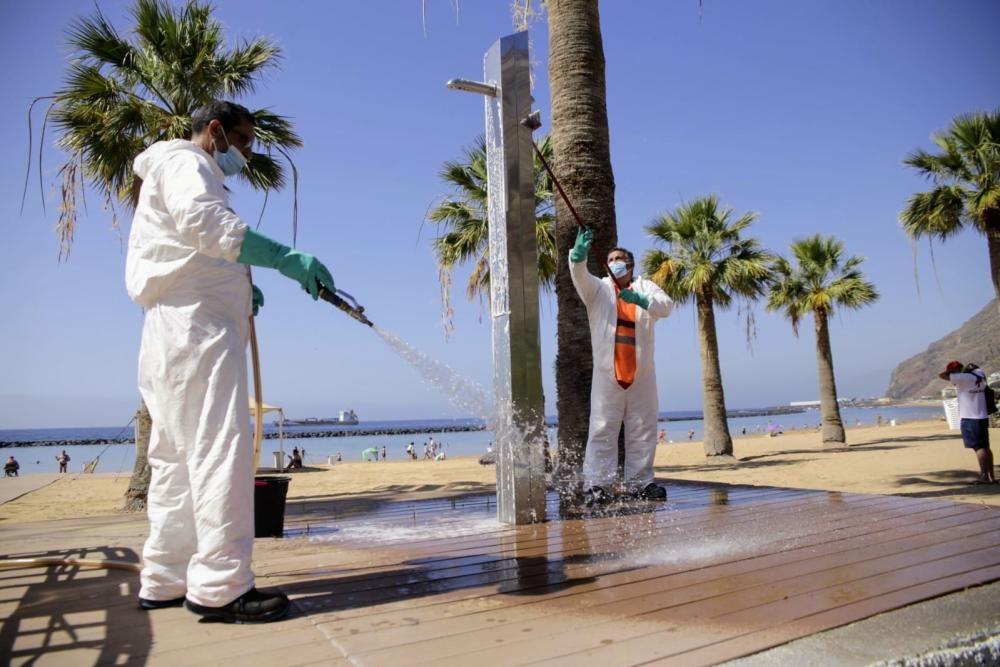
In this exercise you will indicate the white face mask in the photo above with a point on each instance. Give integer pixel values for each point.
(230, 161)
(618, 268)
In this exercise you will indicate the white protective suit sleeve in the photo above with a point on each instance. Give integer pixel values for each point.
(586, 284)
(660, 305)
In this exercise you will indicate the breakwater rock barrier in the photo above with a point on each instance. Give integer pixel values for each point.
(270, 435)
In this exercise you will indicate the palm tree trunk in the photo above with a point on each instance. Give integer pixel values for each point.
(833, 427)
(717, 441)
(583, 166)
(992, 223)
(138, 485)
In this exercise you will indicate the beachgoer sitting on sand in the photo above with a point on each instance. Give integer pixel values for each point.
(11, 467)
(294, 459)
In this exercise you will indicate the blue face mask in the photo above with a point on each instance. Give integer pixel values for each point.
(230, 161)
(619, 269)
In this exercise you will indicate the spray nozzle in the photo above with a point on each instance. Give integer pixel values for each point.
(346, 303)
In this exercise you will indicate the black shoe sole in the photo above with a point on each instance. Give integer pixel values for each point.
(153, 605)
(210, 615)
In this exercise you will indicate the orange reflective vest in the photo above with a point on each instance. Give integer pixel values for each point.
(625, 344)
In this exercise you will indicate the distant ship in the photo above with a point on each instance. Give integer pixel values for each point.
(343, 418)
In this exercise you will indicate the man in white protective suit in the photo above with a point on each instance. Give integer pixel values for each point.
(622, 309)
(187, 267)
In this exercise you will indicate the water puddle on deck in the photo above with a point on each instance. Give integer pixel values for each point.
(424, 529)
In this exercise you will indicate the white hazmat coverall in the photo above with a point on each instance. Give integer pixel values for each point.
(610, 405)
(182, 269)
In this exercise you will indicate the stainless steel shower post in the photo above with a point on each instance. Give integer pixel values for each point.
(517, 370)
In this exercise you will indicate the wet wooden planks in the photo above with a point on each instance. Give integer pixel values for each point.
(715, 574)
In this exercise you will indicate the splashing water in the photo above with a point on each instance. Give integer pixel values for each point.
(429, 528)
(460, 392)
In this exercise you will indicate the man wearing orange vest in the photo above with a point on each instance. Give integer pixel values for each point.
(622, 309)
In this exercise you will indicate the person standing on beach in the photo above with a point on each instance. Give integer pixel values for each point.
(622, 309)
(970, 385)
(63, 461)
(187, 266)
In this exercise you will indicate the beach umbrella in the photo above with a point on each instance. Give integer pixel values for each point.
(371, 450)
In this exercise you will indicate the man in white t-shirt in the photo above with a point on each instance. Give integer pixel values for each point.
(970, 384)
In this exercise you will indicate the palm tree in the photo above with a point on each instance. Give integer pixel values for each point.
(121, 94)
(966, 193)
(707, 261)
(464, 222)
(821, 280)
(583, 166)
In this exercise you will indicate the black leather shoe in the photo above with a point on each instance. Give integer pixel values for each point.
(252, 607)
(653, 492)
(150, 605)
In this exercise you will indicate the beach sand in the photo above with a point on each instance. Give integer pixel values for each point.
(917, 459)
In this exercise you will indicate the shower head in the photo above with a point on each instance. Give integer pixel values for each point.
(488, 89)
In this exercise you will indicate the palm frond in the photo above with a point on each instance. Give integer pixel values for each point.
(966, 176)
(706, 250)
(462, 218)
(120, 95)
(819, 282)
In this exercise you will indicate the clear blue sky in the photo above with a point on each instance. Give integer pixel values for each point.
(800, 111)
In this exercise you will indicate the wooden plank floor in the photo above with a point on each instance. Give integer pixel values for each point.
(715, 573)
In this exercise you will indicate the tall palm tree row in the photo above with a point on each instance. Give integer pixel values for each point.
(708, 260)
(581, 144)
(122, 93)
(966, 192)
(820, 280)
(463, 221)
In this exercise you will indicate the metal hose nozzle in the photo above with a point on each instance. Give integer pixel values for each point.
(346, 303)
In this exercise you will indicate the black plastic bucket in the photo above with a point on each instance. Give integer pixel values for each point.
(269, 495)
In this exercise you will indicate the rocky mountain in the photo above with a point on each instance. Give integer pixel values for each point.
(978, 341)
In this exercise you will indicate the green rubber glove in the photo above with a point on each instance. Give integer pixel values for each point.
(582, 246)
(257, 299)
(258, 250)
(631, 296)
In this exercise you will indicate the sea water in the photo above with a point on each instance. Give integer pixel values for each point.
(121, 458)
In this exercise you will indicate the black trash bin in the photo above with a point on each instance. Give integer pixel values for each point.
(269, 495)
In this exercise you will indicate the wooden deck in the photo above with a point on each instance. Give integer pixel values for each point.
(713, 574)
